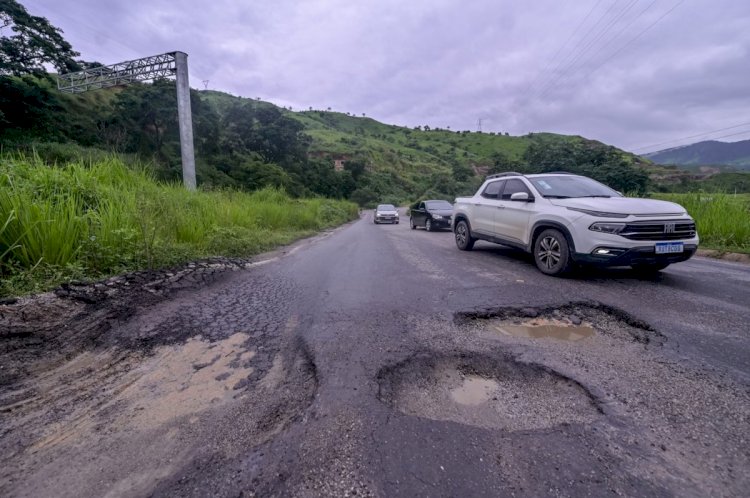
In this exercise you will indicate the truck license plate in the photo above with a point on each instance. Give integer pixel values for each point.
(668, 247)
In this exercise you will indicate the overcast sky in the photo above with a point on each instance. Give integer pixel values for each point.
(632, 73)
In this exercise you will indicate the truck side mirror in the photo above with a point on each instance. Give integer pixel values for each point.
(521, 197)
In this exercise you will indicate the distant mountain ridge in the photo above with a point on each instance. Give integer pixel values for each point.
(710, 152)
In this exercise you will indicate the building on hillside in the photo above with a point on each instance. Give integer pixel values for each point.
(338, 164)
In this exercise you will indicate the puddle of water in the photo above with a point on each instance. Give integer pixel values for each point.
(547, 329)
(474, 390)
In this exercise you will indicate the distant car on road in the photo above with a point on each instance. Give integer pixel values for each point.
(431, 215)
(386, 213)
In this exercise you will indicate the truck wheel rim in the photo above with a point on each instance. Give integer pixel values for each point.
(549, 252)
(461, 234)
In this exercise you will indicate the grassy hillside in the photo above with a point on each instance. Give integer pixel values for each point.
(338, 134)
(248, 144)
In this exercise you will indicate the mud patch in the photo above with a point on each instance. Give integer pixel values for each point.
(487, 392)
(175, 381)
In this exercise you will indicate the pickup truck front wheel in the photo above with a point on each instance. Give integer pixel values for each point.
(464, 240)
(552, 253)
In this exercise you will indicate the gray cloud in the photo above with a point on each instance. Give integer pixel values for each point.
(451, 62)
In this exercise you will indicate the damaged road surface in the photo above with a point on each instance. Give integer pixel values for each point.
(380, 361)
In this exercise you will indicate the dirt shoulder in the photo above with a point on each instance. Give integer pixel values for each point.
(726, 256)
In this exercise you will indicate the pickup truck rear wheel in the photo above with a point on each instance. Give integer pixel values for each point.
(464, 240)
(552, 253)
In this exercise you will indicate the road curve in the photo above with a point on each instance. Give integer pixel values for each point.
(375, 360)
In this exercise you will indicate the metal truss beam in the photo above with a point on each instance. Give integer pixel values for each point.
(145, 69)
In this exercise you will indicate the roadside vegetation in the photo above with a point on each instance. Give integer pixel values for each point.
(87, 221)
(723, 220)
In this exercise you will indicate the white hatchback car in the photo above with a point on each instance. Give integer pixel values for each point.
(564, 219)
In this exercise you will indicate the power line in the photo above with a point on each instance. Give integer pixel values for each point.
(551, 75)
(542, 73)
(732, 135)
(634, 38)
(704, 134)
(620, 32)
(612, 23)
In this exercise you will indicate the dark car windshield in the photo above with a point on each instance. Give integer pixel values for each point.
(386, 207)
(438, 205)
(566, 186)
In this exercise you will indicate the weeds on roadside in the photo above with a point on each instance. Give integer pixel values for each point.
(92, 220)
(723, 220)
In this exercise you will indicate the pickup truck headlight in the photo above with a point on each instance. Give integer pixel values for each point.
(613, 228)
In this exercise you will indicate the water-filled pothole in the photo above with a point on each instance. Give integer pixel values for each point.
(543, 328)
(485, 391)
(571, 322)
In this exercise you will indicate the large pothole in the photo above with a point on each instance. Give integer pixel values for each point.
(485, 391)
(571, 322)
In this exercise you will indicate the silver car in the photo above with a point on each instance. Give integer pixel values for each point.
(386, 213)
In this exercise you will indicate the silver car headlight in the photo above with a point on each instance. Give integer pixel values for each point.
(437, 217)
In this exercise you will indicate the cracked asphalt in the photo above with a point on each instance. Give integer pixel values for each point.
(370, 361)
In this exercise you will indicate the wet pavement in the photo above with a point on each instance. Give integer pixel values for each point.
(377, 360)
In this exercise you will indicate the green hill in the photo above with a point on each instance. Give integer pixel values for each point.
(248, 144)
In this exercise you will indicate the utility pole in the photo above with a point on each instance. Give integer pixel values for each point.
(185, 117)
(145, 69)
(479, 125)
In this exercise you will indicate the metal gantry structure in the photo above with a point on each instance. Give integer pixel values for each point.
(145, 69)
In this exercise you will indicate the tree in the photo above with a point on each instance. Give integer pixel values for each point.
(35, 42)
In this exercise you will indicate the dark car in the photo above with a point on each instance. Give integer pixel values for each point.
(385, 213)
(431, 215)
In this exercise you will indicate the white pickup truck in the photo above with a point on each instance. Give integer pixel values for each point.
(564, 220)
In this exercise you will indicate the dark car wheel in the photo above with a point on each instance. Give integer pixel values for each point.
(428, 225)
(411, 222)
(464, 240)
(552, 253)
(649, 267)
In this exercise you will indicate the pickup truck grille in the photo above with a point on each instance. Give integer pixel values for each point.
(659, 230)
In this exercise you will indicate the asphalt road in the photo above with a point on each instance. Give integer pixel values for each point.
(372, 361)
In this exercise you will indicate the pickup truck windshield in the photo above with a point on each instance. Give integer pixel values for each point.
(567, 186)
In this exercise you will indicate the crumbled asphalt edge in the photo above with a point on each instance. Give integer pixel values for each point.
(84, 312)
(639, 330)
(496, 365)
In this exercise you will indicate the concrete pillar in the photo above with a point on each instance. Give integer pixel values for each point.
(185, 118)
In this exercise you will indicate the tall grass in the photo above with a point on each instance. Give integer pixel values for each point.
(723, 220)
(91, 220)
